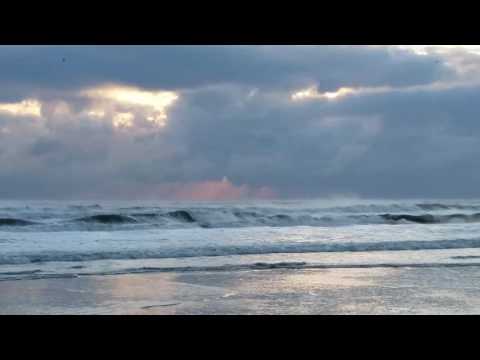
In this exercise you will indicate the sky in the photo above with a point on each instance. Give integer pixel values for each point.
(239, 122)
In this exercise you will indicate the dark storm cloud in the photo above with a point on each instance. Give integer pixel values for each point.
(34, 69)
(235, 119)
(392, 144)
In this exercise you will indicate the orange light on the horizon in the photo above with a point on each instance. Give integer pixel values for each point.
(218, 190)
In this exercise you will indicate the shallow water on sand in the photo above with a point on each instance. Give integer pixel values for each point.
(280, 291)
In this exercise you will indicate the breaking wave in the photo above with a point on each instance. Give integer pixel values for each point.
(225, 250)
(107, 219)
(439, 206)
(229, 218)
(432, 219)
(54, 236)
(15, 222)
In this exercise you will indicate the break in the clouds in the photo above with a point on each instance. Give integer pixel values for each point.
(231, 122)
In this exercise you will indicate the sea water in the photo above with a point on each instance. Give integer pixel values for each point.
(41, 239)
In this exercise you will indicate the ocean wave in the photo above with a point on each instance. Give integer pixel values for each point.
(234, 218)
(258, 266)
(15, 222)
(107, 219)
(260, 249)
(97, 217)
(85, 207)
(181, 215)
(440, 206)
(281, 265)
(432, 219)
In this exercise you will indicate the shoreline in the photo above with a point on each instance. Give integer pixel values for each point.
(378, 290)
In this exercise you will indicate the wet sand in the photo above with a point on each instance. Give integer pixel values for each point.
(439, 290)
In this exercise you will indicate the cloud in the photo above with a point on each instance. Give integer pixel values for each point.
(153, 103)
(33, 69)
(24, 108)
(170, 122)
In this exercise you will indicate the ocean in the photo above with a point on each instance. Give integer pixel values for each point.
(55, 239)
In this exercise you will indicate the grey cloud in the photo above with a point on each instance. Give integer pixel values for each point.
(45, 146)
(32, 69)
(426, 142)
(399, 143)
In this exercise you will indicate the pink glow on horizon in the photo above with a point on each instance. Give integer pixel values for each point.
(219, 190)
(212, 190)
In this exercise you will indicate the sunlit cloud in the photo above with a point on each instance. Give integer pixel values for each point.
(463, 59)
(305, 94)
(312, 93)
(154, 103)
(27, 108)
(432, 49)
(96, 113)
(123, 120)
(426, 49)
(337, 94)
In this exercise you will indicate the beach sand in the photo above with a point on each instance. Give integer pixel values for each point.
(454, 290)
